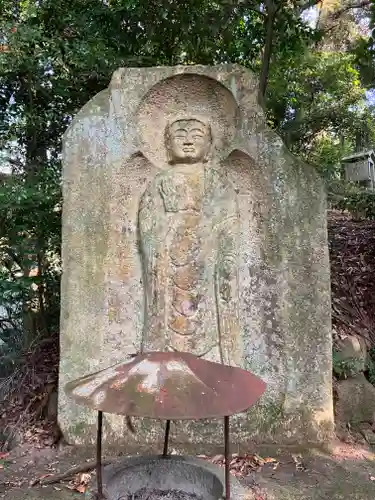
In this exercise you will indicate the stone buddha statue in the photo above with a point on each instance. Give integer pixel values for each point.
(188, 230)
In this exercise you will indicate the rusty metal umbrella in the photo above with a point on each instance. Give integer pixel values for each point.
(170, 386)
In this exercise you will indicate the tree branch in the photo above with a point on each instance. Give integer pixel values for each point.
(272, 10)
(14, 162)
(85, 467)
(247, 5)
(309, 4)
(17, 260)
(357, 5)
(253, 9)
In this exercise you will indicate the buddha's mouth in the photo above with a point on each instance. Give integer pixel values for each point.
(188, 150)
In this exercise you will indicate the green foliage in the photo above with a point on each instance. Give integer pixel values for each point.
(359, 202)
(326, 153)
(364, 61)
(315, 96)
(55, 56)
(29, 253)
(371, 366)
(345, 368)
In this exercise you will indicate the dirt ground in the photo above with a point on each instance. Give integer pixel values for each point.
(347, 473)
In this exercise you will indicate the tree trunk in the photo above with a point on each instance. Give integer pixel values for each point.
(267, 52)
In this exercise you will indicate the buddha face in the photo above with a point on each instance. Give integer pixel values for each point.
(188, 141)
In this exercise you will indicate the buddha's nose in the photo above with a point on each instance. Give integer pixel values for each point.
(188, 142)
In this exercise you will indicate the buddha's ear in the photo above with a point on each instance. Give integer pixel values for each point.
(208, 155)
(167, 142)
(168, 153)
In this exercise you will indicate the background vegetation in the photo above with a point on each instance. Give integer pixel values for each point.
(316, 65)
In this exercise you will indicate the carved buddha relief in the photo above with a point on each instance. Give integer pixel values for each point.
(188, 229)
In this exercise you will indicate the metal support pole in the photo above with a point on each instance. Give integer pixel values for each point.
(99, 479)
(166, 438)
(226, 455)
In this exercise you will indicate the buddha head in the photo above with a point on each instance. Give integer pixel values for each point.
(188, 141)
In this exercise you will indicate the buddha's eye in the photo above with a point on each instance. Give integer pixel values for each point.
(180, 133)
(197, 131)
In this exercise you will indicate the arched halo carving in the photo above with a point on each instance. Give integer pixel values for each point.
(186, 96)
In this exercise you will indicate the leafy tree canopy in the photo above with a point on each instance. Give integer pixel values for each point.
(55, 55)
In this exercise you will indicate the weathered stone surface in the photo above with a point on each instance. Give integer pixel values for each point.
(369, 435)
(355, 400)
(188, 225)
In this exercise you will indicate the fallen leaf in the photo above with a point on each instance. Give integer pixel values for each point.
(85, 478)
(81, 488)
(44, 476)
(258, 459)
(269, 460)
(298, 460)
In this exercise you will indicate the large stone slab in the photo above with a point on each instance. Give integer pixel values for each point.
(188, 225)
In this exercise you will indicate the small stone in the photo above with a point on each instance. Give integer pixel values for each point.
(355, 400)
(369, 435)
(353, 353)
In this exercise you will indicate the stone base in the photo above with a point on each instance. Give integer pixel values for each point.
(262, 424)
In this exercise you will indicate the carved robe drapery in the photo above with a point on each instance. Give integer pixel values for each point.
(188, 229)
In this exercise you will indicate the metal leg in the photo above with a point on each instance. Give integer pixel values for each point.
(99, 478)
(166, 438)
(226, 455)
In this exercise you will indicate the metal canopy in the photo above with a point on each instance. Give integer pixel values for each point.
(168, 385)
